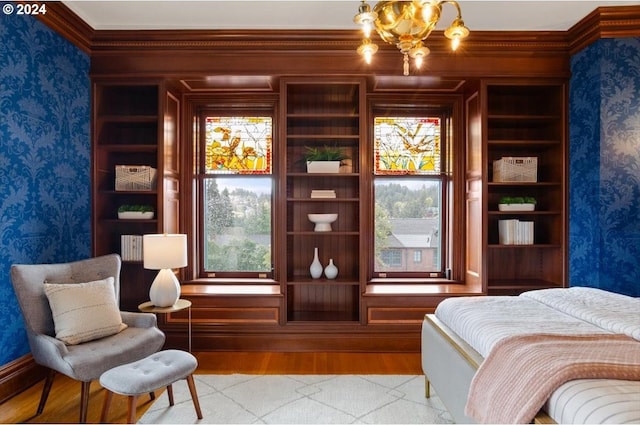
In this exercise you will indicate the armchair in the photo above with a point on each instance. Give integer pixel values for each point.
(86, 361)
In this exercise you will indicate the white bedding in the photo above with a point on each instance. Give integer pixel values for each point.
(483, 321)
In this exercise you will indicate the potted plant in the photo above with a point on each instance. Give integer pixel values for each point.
(325, 159)
(517, 203)
(135, 212)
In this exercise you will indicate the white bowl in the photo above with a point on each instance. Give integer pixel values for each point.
(322, 221)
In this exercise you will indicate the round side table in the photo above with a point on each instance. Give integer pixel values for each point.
(181, 304)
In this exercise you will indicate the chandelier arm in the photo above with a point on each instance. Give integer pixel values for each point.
(456, 5)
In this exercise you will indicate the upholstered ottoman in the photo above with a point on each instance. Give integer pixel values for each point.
(147, 375)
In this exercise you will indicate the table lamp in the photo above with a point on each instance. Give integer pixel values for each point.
(164, 252)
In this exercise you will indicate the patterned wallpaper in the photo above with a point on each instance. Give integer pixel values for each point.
(45, 213)
(604, 213)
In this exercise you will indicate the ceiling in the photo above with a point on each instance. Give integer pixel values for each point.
(478, 15)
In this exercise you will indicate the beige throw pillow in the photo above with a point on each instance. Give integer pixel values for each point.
(84, 311)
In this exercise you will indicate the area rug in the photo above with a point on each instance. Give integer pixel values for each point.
(301, 399)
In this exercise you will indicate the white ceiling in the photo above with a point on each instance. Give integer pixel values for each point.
(478, 15)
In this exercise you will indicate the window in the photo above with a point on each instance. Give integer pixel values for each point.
(235, 191)
(417, 256)
(409, 193)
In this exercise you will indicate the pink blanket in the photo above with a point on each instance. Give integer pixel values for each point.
(521, 372)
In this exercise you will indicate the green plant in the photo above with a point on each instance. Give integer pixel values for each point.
(324, 153)
(517, 200)
(137, 208)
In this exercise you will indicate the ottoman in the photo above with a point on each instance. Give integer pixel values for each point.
(158, 370)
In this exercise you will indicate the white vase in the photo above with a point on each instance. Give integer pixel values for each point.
(316, 266)
(331, 271)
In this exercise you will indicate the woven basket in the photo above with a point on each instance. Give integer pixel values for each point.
(515, 169)
(135, 177)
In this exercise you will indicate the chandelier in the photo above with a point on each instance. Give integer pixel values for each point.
(406, 24)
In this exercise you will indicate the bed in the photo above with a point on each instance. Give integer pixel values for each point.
(463, 338)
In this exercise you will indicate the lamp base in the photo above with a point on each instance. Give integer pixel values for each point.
(165, 289)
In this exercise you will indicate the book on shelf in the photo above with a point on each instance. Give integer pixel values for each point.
(131, 247)
(515, 232)
(315, 193)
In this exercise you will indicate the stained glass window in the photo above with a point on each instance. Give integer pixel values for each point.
(407, 145)
(238, 145)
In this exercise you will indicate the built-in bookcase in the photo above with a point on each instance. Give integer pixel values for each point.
(318, 114)
(527, 120)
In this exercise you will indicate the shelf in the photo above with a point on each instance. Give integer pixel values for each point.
(116, 118)
(315, 175)
(536, 246)
(533, 184)
(526, 144)
(323, 200)
(332, 233)
(509, 213)
(306, 281)
(520, 118)
(321, 115)
(128, 148)
(306, 137)
(124, 220)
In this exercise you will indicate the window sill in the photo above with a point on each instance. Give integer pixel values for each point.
(410, 286)
(231, 287)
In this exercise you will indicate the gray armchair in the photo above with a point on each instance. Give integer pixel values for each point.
(84, 362)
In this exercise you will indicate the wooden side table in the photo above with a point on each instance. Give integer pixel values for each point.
(181, 304)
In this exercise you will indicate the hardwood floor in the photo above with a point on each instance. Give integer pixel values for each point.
(63, 404)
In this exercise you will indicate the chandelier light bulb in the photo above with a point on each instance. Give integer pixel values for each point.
(366, 29)
(455, 43)
(367, 49)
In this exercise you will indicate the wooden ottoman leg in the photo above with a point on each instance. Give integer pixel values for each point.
(194, 395)
(131, 409)
(108, 395)
(170, 394)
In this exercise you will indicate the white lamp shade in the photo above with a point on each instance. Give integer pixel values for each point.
(167, 251)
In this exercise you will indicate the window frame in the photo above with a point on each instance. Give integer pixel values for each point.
(200, 176)
(448, 108)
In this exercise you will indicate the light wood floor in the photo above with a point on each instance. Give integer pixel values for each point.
(63, 404)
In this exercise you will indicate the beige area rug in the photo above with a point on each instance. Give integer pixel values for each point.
(301, 399)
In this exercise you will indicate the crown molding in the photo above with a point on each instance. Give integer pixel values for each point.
(604, 22)
(69, 25)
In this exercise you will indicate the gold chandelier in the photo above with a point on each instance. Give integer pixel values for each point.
(406, 24)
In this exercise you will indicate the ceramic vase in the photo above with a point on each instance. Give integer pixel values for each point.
(331, 271)
(316, 266)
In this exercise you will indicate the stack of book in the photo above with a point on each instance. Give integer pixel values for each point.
(131, 247)
(515, 232)
(323, 193)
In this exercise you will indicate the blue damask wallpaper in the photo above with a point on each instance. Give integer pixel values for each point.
(604, 216)
(45, 213)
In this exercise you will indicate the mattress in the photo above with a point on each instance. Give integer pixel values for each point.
(483, 321)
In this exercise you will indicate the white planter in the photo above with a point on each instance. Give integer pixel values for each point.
(323, 167)
(135, 215)
(516, 207)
